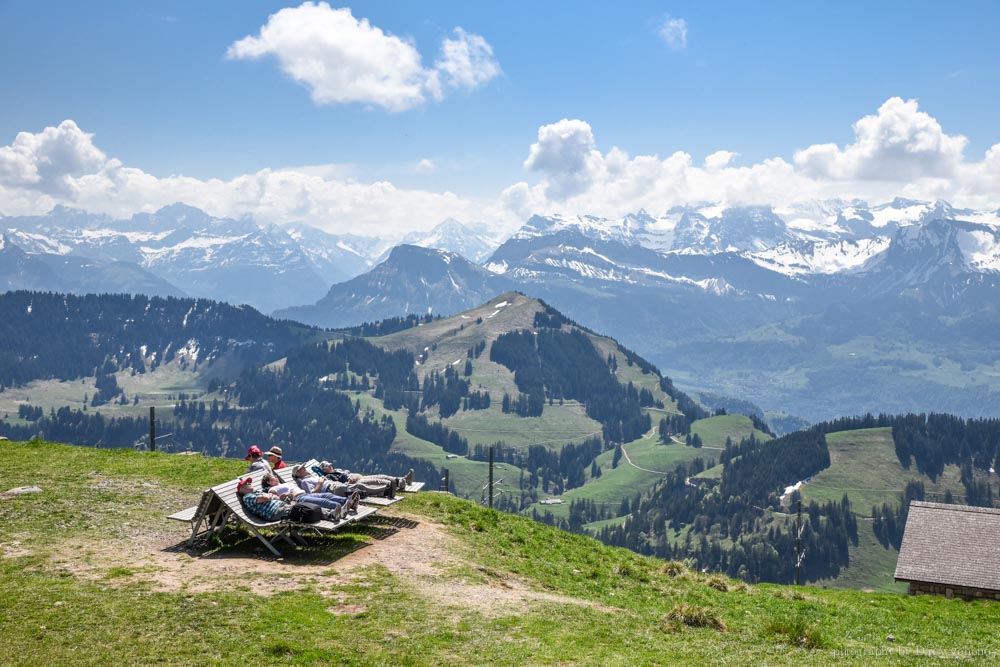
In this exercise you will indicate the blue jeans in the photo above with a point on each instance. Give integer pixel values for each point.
(327, 500)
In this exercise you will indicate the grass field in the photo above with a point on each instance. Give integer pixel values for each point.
(557, 426)
(713, 431)
(871, 568)
(650, 461)
(153, 389)
(94, 574)
(467, 478)
(863, 465)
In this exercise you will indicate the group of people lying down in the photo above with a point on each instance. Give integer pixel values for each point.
(336, 491)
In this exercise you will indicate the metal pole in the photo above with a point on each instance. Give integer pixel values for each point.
(798, 545)
(490, 489)
(152, 429)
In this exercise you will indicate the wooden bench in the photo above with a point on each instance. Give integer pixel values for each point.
(378, 501)
(221, 504)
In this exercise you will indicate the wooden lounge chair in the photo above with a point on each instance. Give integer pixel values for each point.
(220, 505)
(377, 501)
(210, 514)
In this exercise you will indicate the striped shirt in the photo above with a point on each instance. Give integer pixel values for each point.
(272, 510)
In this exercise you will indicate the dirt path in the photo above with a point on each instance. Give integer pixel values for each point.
(417, 552)
(629, 461)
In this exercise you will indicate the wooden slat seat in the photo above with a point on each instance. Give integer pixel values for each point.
(185, 514)
(378, 501)
(221, 504)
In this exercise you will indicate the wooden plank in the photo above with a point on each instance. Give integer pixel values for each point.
(221, 502)
(186, 515)
(380, 501)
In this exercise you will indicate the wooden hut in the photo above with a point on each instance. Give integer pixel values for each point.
(951, 550)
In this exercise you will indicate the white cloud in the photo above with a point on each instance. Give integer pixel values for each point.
(674, 33)
(47, 161)
(61, 165)
(467, 61)
(344, 60)
(425, 166)
(899, 151)
(565, 154)
(720, 160)
(899, 143)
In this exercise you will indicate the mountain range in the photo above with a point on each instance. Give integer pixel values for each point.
(819, 308)
(181, 250)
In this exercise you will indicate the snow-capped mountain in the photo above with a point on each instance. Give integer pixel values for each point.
(337, 257)
(238, 261)
(51, 272)
(472, 241)
(588, 226)
(411, 280)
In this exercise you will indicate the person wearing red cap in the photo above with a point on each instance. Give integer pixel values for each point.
(257, 460)
(261, 504)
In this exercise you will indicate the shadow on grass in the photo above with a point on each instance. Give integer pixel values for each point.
(321, 548)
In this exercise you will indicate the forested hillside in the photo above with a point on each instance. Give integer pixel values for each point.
(63, 336)
(571, 417)
(740, 521)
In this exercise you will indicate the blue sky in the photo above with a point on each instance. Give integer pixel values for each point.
(162, 92)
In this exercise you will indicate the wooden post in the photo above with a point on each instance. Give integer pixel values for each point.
(152, 429)
(489, 488)
(447, 486)
(798, 545)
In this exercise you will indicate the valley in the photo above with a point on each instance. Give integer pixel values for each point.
(566, 465)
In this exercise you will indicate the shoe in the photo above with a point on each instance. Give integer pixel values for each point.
(352, 502)
(338, 512)
(409, 478)
(390, 491)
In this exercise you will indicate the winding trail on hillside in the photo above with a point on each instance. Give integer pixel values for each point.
(629, 461)
(656, 472)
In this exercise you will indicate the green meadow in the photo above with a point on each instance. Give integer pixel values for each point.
(94, 574)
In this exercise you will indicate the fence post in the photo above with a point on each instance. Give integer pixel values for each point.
(489, 489)
(798, 545)
(447, 486)
(152, 429)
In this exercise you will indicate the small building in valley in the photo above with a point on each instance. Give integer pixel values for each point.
(951, 550)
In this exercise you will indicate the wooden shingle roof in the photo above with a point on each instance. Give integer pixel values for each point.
(952, 545)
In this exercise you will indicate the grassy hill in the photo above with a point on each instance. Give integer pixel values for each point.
(95, 574)
(446, 342)
(863, 465)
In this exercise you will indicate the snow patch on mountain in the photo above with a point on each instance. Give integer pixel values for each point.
(498, 268)
(592, 227)
(981, 249)
(821, 258)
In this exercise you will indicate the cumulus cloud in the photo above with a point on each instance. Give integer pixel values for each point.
(899, 143)
(720, 160)
(467, 61)
(674, 33)
(577, 178)
(565, 154)
(898, 151)
(49, 160)
(61, 165)
(425, 166)
(342, 59)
